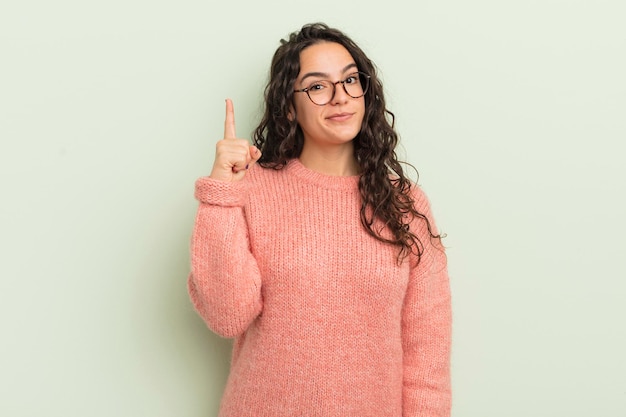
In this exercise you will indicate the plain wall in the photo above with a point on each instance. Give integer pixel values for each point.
(512, 111)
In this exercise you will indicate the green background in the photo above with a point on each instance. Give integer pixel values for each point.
(512, 111)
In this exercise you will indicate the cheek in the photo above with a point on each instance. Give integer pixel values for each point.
(363, 112)
(299, 112)
(298, 106)
(305, 114)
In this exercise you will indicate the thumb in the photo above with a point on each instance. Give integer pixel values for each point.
(255, 154)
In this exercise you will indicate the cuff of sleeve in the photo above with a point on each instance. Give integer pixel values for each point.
(221, 193)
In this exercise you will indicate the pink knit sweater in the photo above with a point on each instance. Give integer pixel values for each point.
(326, 322)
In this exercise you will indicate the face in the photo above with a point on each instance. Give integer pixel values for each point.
(339, 121)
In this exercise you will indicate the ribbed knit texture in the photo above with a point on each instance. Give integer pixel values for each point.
(326, 322)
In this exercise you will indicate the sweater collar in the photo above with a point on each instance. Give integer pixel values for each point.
(295, 168)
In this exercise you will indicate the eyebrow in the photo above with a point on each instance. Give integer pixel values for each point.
(323, 74)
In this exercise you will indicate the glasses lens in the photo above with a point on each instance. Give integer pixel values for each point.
(356, 84)
(321, 92)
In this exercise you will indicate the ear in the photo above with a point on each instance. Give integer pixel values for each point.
(292, 113)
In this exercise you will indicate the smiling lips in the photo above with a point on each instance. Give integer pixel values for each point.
(340, 117)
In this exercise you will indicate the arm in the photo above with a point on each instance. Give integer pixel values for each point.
(426, 328)
(224, 284)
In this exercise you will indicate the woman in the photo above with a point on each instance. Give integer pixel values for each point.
(315, 252)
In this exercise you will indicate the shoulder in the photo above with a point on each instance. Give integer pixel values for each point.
(419, 197)
(424, 221)
(258, 175)
(266, 182)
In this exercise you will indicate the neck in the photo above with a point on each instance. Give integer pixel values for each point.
(336, 161)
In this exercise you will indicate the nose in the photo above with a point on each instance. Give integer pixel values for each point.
(340, 95)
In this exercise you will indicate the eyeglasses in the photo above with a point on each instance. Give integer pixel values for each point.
(322, 92)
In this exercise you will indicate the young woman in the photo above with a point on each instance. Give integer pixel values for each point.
(315, 252)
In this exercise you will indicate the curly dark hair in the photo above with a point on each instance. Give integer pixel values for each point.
(383, 186)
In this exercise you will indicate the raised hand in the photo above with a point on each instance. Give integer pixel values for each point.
(232, 156)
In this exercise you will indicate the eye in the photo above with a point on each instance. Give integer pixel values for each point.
(319, 86)
(352, 79)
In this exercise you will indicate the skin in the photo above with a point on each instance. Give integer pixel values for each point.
(233, 156)
(328, 130)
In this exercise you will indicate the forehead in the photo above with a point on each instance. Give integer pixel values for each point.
(324, 57)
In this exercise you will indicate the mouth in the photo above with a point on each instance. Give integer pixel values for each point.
(339, 117)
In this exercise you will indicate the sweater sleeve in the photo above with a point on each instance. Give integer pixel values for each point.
(224, 284)
(426, 327)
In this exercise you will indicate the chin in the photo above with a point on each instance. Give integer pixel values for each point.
(347, 136)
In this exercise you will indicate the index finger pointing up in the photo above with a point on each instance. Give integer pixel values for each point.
(229, 123)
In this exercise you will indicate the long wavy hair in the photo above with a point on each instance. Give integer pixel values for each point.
(383, 186)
